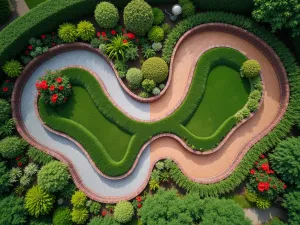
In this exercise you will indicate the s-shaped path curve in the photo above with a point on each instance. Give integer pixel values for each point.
(200, 168)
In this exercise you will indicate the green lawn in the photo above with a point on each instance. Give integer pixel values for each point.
(81, 109)
(225, 94)
(33, 3)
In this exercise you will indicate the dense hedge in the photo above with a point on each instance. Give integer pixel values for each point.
(4, 11)
(276, 135)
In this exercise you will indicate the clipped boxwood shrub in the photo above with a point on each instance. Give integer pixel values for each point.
(4, 111)
(11, 147)
(54, 176)
(123, 212)
(155, 69)
(158, 16)
(156, 34)
(106, 15)
(134, 77)
(4, 11)
(250, 69)
(138, 17)
(67, 32)
(62, 216)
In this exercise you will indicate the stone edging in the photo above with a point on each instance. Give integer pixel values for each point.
(258, 43)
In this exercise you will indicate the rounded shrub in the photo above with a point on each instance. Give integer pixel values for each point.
(78, 199)
(123, 212)
(12, 68)
(144, 94)
(158, 16)
(252, 105)
(138, 17)
(188, 9)
(62, 216)
(155, 69)
(156, 91)
(148, 85)
(4, 111)
(79, 215)
(157, 46)
(256, 95)
(38, 202)
(85, 30)
(11, 147)
(106, 15)
(4, 11)
(54, 176)
(134, 77)
(156, 34)
(95, 42)
(67, 32)
(162, 86)
(250, 69)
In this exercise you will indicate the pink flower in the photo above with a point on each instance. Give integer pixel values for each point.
(98, 34)
(43, 36)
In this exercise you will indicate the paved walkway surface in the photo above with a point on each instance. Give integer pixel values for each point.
(259, 216)
(18, 8)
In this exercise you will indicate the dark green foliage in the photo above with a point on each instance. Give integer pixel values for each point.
(11, 147)
(39, 156)
(107, 220)
(7, 128)
(62, 216)
(156, 34)
(4, 11)
(223, 211)
(158, 16)
(4, 111)
(68, 191)
(4, 178)
(188, 9)
(237, 6)
(292, 204)
(43, 220)
(95, 42)
(275, 221)
(12, 211)
(286, 160)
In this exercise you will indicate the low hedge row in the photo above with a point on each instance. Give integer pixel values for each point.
(282, 129)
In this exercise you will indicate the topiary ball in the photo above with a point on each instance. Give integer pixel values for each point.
(123, 212)
(156, 91)
(11, 147)
(155, 69)
(250, 69)
(134, 77)
(158, 16)
(106, 15)
(4, 111)
(67, 32)
(62, 216)
(156, 34)
(157, 46)
(138, 17)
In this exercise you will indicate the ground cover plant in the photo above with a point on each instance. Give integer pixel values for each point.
(118, 160)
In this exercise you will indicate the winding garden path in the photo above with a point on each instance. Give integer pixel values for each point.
(201, 168)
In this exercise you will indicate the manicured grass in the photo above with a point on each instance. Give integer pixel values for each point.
(81, 109)
(33, 3)
(225, 94)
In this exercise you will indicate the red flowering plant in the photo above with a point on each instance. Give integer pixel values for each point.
(263, 180)
(54, 88)
(6, 88)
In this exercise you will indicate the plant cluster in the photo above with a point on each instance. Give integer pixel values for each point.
(106, 15)
(53, 88)
(188, 8)
(11, 147)
(156, 34)
(6, 89)
(292, 204)
(123, 212)
(38, 156)
(12, 68)
(158, 16)
(62, 216)
(67, 32)
(79, 212)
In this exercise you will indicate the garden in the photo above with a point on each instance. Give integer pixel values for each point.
(124, 113)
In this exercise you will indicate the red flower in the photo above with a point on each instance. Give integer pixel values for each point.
(274, 187)
(65, 99)
(125, 41)
(139, 198)
(26, 52)
(30, 47)
(284, 186)
(98, 34)
(20, 164)
(139, 205)
(256, 163)
(61, 88)
(267, 186)
(52, 88)
(103, 34)
(113, 32)
(104, 212)
(131, 36)
(59, 80)
(5, 89)
(265, 166)
(262, 156)
(261, 186)
(44, 85)
(271, 171)
(53, 44)
(6, 81)
(18, 158)
(252, 171)
(43, 36)
(37, 85)
(54, 98)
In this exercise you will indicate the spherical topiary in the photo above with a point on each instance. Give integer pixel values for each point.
(85, 30)
(250, 69)
(11, 147)
(156, 34)
(134, 77)
(148, 85)
(12, 68)
(4, 111)
(80, 215)
(123, 212)
(157, 46)
(38, 202)
(138, 17)
(162, 86)
(78, 199)
(62, 216)
(144, 94)
(54, 176)
(158, 16)
(155, 69)
(252, 105)
(106, 15)
(67, 32)
(4, 11)
(156, 91)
